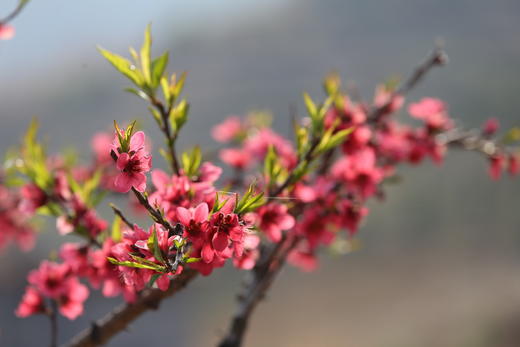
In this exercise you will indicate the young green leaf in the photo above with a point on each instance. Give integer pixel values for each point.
(123, 65)
(146, 55)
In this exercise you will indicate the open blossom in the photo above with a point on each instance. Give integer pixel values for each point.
(385, 97)
(490, 127)
(228, 130)
(236, 157)
(32, 198)
(82, 217)
(273, 219)
(359, 171)
(132, 164)
(433, 112)
(32, 303)
(57, 282)
(496, 165)
(214, 238)
(180, 191)
(6, 31)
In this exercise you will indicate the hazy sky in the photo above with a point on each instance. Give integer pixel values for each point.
(50, 29)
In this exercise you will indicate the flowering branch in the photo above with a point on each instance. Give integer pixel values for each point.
(107, 327)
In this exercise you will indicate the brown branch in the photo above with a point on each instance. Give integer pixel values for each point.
(150, 299)
(118, 212)
(472, 140)
(15, 13)
(171, 137)
(54, 323)
(254, 292)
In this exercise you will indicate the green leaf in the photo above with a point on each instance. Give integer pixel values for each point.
(154, 279)
(116, 234)
(179, 115)
(309, 104)
(158, 66)
(145, 55)
(177, 86)
(153, 246)
(139, 93)
(137, 265)
(123, 65)
(512, 136)
(192, 260)
(250, 201)
(191, 161)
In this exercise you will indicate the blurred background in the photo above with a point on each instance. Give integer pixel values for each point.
(439, 263)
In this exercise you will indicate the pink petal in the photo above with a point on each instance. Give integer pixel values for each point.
(183, 215)
(122, 161)
(201, 213)
(123, 182)
(163, 282)
(220, 241)
(286, 222)
(139, 181)
(137, 141)
(207, 253)
(160, 179)
(6, 32)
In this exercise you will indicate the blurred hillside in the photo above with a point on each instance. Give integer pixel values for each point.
(442, 249)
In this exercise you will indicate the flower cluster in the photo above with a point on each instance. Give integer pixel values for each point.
(55, 282)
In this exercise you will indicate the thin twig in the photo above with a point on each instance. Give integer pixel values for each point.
(107, 327)
(171, 137)
(256, 290)
(118, 212)
(16, 12)
(54, 323)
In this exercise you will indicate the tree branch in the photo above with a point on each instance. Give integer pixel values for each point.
(263, 277)
(16, 12)
(150, 299)
(118, 212)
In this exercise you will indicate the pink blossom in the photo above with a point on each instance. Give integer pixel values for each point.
(237, 158)
(250, 254)
(496, 165)
(70, 302)
(274, 218)
(101, 144)
(384, 96)
(359, 171)
(32, 303)
(32, 198)
(304, 259)
(6, 32)
(50, 278)
(229, 129)
(14, 223)
(132, 164)
(490, 127)
(433, 112)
